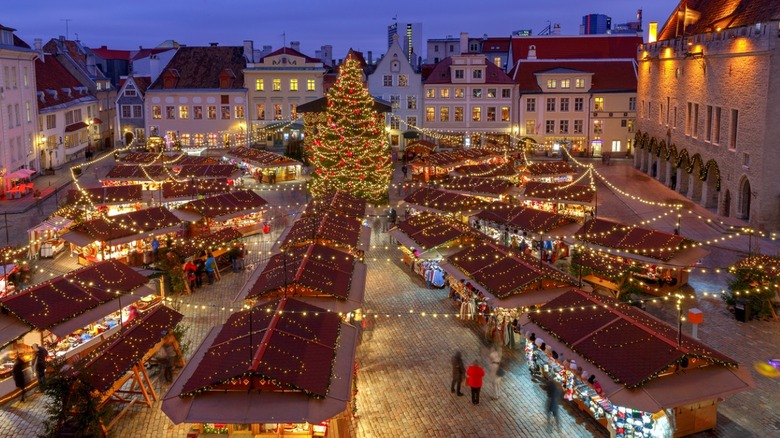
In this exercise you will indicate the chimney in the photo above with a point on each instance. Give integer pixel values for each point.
(295, 45)
(266, 51)
(38, 44)
(532, 52)
(370, 58)
(556, 30)
(91, 67)
(249, 51)
(464, 42)
(213, 44)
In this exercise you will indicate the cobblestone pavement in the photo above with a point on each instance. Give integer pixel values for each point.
(403, 360)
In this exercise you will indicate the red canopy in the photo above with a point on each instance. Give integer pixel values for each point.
(559, 193)
(124, 225)
(107, 195)
(430, 230)
(330, 228)
(192, 188)
(226, 205)
(650, 243)
(549, 168)
(443, 201)
(491, 186)
(488, 170)
(524, 218)
(208, 171)
(260, 158)
(208, 242)
(134, 172)
(338, 201)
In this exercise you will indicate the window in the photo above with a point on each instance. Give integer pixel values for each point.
(491, 114)
(444, 114)
(564, 83)
(293, 110)
(211, 112)
(430, 114)
(615, 145)
(552, 83)
(598, 104)
(394, 122)
(411, 102)
(130, 92)
(630, 125)
(688, 119)
(459, 93)
(28, 112)
(444, 93)
(293, 84)
(184, 112)
(99, 86)
(311, 85)
(497, 61)
(564, 104)
(551, 104)
(504, 113)
(708, 125)
(137, 112)
(51, 121)
(278, 111)
(530, 104)
(197, 112)
(239, 110)
(11, 117)
(127, 111)
(661, 114)
(746, 160)
(579, 83)
(277, 85)
(411, 121)
(506, 93)
(716, 127)
(476, 93)
(403, 80)
(156, 112)
(491, 93)
(259, 85)
(170, 112)
(563, 127)
(459, 74)
(458, 113)
(733, 129)
(260, 111)
(436, 48)
(26, 79)
(530, 127)
(632, 103)
(395, 101)
(225, 110)
(578, 126)
(674, 121)
(476, 74)
(387, 80)
(578, 103)
(430, 93)
(695, 120)
(598, 126)
(476, 114)
(549, 127)
(199, 139)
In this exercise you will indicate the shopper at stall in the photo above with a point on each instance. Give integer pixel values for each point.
(458, 372)
(18, 373)
(155, 249)
(200, 269)
(190, 271)
(39, 364)
(553, 400)
(474, 375)
(170, 360)
(210, 267)
(235, 257)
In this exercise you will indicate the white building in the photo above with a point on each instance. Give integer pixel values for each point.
(440, 48)
(396, 81)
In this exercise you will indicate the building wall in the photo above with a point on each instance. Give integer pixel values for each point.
(59, 147)
(19, 135)
(134, 125)
(438, 49)
(733, 70)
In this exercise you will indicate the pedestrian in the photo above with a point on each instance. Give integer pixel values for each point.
(200, 269)
(190, 272)
(210, 267)
(39, 364)
(170, 360)
(18, 373)
(404, 170)
(553, 400)
(474, 375)
(498, 379)
(673, 181)
(495, 361)
(155, 249)
(458, 372)
(235, 255)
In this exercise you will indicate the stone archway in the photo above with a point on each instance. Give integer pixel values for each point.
(711, 190)
(663, 170)
(696, 181)
(725, 207)
(743, 201)
(128, 138)
(683, 177)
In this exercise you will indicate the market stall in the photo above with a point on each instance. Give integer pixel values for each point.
(149, 177)
(109, 200)
(549, 172)
(636, 375)
(504, 170)
(172, 192)
(218, 242)
(242, 210)
(298, 383)
(18, 183)
(126, 237)
(338, 201)
(424, 240)
(418, 148)
(572, 200)
(207, 171)
(168, 160)
(44, 238)
(438, 165)
(486, 189)
(316, 274)
(330, 229)
(661, 261)
(265, 166)
(442, 202)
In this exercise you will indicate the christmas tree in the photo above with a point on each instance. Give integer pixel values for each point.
(349, 150)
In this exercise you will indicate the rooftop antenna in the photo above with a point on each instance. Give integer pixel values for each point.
(284, 39)
(66, 20)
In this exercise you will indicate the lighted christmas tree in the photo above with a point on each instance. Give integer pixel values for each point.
(349, 150)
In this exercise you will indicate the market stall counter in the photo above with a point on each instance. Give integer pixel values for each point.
(427, 238)
(265, 166)
(549, 171)
(44, 238)
(572, 200)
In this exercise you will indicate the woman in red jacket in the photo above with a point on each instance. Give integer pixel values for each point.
(474, 375)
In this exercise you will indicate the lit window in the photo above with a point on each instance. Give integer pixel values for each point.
(394, 122)
(197, 112)
(552, 83)
(395, 102)
(444, 114)
(491, 114)
(211, 112)
(598, 103)
(444, 93)
(491, 93)
(430, 114)
(505, 113)
(311, 85)
(277, 85)
(598, 126)
(476, 114)
(564, 83)
(293, 110)
(530, 127)
(403, 80)
(277, 111)
(293, 84)
(430, 93)
(239, 111)
(458, 113)
(184, 112)
(459, 93)
(225, 112)
(497, 61)
(260, 111)
(579, 83)
(259, 85)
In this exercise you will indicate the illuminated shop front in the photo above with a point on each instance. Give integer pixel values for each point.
(243, 210)
(265, 166)
(571, 200)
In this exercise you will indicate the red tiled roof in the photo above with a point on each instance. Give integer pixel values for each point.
(62, 298)
(504, 273)
(496, 45)
(77, 53)
(136, 172)
(715, 14)
(608, 76)
(577, 47)
(128, 224)
(278, 353)
(644, 241)
(326, 227)
(430, 230)
(542, 168)
(194, 188)
(524, 218)
(207, 170)
(52, 75)
(492, 186)
(307, 270)
(291, 52)
(106, 195)
(453, 158)
(211, 241)
(443, 201)
(106, 53)
(226, 203)
(628, 344)
(441, 73)
(200, 67)
(557, 192)
(118, 354)
(338, 201)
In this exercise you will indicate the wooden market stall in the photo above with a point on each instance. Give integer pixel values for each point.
(265, 166)
(548, 171)
(505, 171)
(173, 192)
(425, 238)
(241, 209)
(44, 239)
(661, 261)
(299, 381)
(573, 200)
(126, 237)
(340, 202)
(437, 166)
(207, 171)
(168, 160)
(636, 375)
(108, 200)
(218, 242)
(442, 202)
(148, 176)
(486, 189)
(328, 228)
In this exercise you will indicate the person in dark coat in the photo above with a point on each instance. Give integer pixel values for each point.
(39, 364)
(18, 373)
(458, 372)
(553, 400)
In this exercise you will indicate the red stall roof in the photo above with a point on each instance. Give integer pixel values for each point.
(329, 228)
(209, 171)
(556, 192)
(768, 264)
(439, 200)
(208, 242)
(135, 172)
(224, 206)
(631, 239)
(486, 170)
(490, 186)
(260, 158)
(190, 188)
(524, 218)
(338, 201)
(545, 168)
(429, 230)
(107, 195)
(117, 229)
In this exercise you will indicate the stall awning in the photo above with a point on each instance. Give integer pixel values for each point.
(75, 126)
(11, 329)
(52, 223)
(20, 174)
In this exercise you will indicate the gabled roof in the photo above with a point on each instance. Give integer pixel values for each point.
(559, 193)
(209, 242)
(141, 82)
(144, 53)
(128, 224)
(441, 73)
(291, 52)
(338, 201)
(53, 79)
(226, 204)
(200, 68)
(631, 239)
(328, 227)
(122, 194)
(441, 201)
(524, 218)
(77, 53)
(430, 230)
(194, 188)
(135, 172)
(709, 15)
(608, 75)
(577, 47)
(477, 185)
(496, 45)
(209, 171)
(544, 168)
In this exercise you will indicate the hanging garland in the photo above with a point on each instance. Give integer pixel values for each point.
(696, 158)
(671, 153)
(661, 147)
(706, 169)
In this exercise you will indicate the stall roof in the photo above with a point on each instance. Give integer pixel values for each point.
(634, 240)
(524, 218)
(208, 242)
(328, 228)
(338, 201)
(11, 329)
(60, 300)
(53, 223)
(124, 227)
(228, 171)
(504, 272)
(631, 346)
(769, 265)
(117, 355)
(549, 168)
(123, 194)
(251, 407)
(428, 230)
(224, 206)
(487, 170)
(454, 158)
(194, 188)
(136, 172)
(440, 200)
(575, 193)
(260, 158)
(478, 185)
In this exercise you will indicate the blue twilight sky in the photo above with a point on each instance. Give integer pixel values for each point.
(360, 24)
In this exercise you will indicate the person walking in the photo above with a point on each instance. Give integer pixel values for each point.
(18, 373)
(474, 375)
(235, 254)
(200, 268)
(498, 380)
(404, 170)
(553, 400)
(210, 267)
(170, 360)
(458, 372)
(39, 364)
(190, 271)
(155, 249)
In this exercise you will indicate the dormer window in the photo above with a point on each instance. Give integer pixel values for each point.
(552, 83)
(6, 37)
(459, 74)
(579, 83)
(476, 74)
